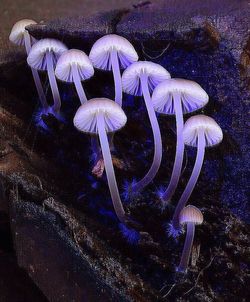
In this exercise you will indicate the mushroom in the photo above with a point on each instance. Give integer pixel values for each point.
(199, 131)
(190, 216)
(75, 66)
(177, 97)
(43, 56)
(101, 116)
(113, 52)
(20, 36)
(141, 78)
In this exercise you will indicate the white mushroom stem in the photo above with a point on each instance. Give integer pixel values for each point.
(52, 81)
(39, 87)
(117, 77)
(179, 150)
(157, 137)
(187, 247)
(193, 178)
(78, 84)
(109, 168)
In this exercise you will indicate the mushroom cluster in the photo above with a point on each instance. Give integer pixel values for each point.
(101, 117)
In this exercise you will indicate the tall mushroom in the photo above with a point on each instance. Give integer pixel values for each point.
(113, 52)
(20, 36)
(75, 66)
(190, 216)
(43, 56)
(177, 97)
(199, 131)
(101, 116)
(141, 78)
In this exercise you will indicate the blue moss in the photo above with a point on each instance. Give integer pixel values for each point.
(172, 232)
(38, 120)
(38, 117)
(163, 205)
(160, 192)
(128, 193)
(132, 236)
(107, 214)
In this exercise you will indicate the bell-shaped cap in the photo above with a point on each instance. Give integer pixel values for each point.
(85, 119)
(37, 56)
(131, 76)
(72, 57)
(17, 33)
(190, 214)
(102, 48)
(212, 131)
(193, 96)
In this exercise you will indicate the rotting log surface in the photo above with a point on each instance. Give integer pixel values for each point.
(62, 220)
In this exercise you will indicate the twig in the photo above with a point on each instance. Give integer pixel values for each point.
(171, 288)
(199, 275)
(39, 181)
(15, 188)
(156, 57)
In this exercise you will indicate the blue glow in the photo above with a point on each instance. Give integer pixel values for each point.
(95, 185)
(160, 192)
(108, 214)
(172, 232)
(131, 235)
(93, 156)
(178, 270)
(58, 115)
(162, 204)
(37, 116)
(128, 193)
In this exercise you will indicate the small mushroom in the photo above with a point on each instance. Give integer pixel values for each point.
(75, 66)
(43, 56)
(20, 36)
(190, 216)
(101, 116)
(141, 78)
(113, 52)
(199, 131)
(177, 97)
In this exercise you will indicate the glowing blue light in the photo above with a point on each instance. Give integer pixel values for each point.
(131, 235)
(128, 193)
(172, 232)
